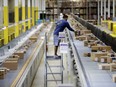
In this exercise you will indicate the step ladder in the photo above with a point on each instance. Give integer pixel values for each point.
(49, 74)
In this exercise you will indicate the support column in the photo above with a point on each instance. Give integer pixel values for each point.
(98, 13)
(37, 9)
(6, 21)
(104, 9)
(16, 18)
(113, 8)
(40, 8)
(29, 15)
(33, 13)
(101, 10)
(109, 9)
(23, 15)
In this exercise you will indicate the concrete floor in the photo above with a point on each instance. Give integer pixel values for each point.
(39, 78)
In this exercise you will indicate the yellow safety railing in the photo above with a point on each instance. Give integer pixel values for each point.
(11, 33)
(1, 38)
(21, 28)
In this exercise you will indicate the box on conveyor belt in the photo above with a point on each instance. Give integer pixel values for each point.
(81, 38)
(103, 59)
(12, 59)
(87, 54)
(104, 66)
(100, 48)
(2, 74)
(86, 31)
(34, 38)
(12, 65)
(114, 77)
(78, 33)
(90, 43)
(85, 43)
(20, 54)
(96, 55)
(14, 56)
(4, 68)
(109, 60)
(112, 67)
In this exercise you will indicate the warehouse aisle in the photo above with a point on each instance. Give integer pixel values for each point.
(39, 78)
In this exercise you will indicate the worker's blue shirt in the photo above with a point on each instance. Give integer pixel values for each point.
(61, 25)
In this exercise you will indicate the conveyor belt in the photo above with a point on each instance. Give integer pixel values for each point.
(10, 77)
(14, 77)
(18, 43)
(94, 76)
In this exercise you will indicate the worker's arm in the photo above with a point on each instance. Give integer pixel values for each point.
(68, 26)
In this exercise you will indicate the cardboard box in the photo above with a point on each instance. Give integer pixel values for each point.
(95, 55)
(4, 68)
(20, 54)
(2, 74)
(81, 38)
(114, 77)
(12, 59)
(109, 60)
(94, 48)
(112, 67)
(14, 56)
(92, 44)
(87, 54)
(104, 66)
(103, 59)
(86, 31)
(107, 48)
(34, 38)
(85, 43)
(12, 65)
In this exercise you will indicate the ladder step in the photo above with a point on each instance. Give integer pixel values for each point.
(55, 66)
(54, 73)
(52, 58)
(54, 80)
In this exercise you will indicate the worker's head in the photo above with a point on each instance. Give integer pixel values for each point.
(65, 17)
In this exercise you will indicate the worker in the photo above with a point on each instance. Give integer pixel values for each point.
(60, 26)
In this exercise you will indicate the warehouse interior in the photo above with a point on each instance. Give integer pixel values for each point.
(87, 57)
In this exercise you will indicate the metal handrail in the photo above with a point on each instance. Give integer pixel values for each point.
(82, 74)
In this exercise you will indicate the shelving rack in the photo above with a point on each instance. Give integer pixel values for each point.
(85, 9)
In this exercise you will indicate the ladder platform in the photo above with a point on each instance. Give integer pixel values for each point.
(52, 58)
(54, 80)
(53, 73)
